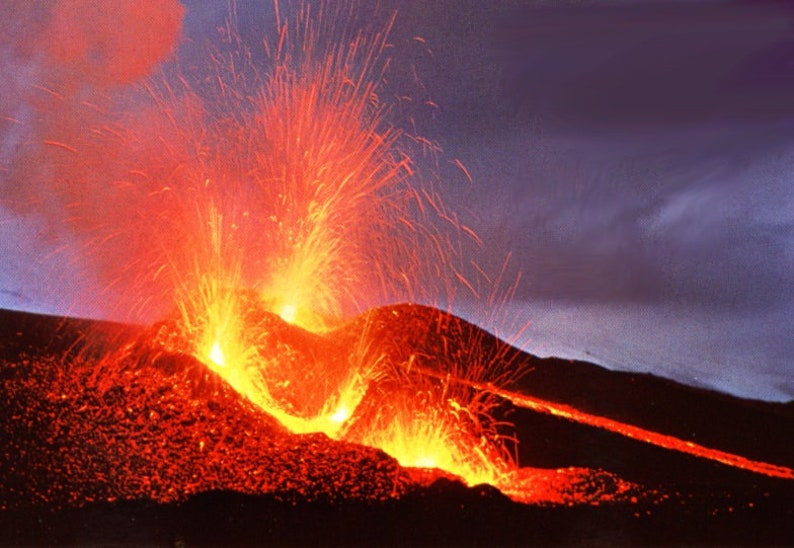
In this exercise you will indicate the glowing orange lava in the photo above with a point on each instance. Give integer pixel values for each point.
(314, 383)
(216, 355)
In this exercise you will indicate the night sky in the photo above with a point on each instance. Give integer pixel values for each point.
(633, 160)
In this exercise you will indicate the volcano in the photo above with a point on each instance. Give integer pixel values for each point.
(110, 433)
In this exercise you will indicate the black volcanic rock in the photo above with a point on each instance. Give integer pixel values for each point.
(154, 448)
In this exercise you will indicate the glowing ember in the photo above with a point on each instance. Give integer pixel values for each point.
(216, 355)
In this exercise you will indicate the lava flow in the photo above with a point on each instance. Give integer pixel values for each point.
(630, 431)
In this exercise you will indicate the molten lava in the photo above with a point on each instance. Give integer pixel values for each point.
(353, 384)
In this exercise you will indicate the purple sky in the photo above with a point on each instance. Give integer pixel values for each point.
(634, 158)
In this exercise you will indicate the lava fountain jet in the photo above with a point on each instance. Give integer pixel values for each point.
(335, 191)
(268, 206)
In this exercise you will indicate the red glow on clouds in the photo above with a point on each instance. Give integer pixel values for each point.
(112, 42)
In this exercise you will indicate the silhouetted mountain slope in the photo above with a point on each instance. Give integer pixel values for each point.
(152, 447)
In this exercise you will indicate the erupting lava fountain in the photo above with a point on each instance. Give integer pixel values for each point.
(281, 188)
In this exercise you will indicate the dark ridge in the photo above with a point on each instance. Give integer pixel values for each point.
(444, 514)
(42, 334)
(438, 340)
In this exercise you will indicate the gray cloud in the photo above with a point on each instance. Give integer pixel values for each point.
(634, 158)
(626, 151)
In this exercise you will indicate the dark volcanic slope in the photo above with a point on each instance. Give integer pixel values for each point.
(78, 429)
(149, 449)
(754, 429)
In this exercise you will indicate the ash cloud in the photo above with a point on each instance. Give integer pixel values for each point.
(68, 67)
